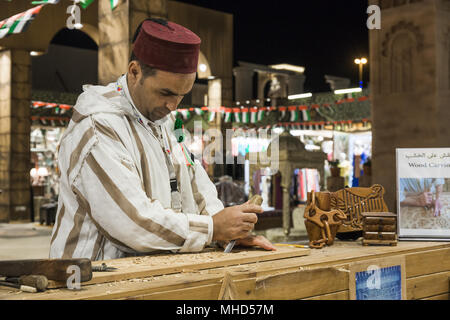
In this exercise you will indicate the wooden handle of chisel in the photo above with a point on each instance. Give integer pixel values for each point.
(52, 269)
(18, 286)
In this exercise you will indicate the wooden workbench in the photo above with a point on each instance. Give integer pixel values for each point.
(310, 274)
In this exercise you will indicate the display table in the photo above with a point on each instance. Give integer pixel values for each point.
(291, 273)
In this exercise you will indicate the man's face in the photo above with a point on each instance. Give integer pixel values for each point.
(157, 95)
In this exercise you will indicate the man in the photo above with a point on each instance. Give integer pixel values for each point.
(127, 186)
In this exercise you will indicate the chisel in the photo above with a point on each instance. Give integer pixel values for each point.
(256, 199)
(291, 245)
(36, 281)
(18, 286)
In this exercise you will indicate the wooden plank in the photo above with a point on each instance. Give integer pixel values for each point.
(163, 264)
(428, 285)
(124, 289)
(445, 296)
(342, 253)
(367, 242)
(428, 262)
(295, 285)
(340, 295)
(207, 292)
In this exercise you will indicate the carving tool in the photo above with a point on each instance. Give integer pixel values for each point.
(38, 282)
(18, 286)
(256, 199)
(291, 245)
(103, 268)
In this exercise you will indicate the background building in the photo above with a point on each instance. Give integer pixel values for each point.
(38, 65)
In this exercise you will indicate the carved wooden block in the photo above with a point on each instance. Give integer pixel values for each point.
(379, 228)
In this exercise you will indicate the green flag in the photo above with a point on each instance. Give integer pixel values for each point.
(86, 3)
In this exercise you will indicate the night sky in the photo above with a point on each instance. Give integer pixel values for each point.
(324, 36)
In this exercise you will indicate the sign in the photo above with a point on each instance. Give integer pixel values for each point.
(423, 194)
(378, 279)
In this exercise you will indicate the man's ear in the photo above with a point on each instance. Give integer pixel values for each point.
(134, 71)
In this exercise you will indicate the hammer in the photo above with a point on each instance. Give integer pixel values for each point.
(256, 199)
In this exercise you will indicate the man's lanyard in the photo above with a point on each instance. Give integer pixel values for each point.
(157, 133)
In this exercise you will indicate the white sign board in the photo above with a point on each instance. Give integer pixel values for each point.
(423, 194)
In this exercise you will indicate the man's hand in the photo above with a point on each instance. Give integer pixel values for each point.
(259, 241)
(437, 207)
(423, 199)
(235, 222)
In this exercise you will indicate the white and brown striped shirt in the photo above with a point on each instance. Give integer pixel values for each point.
(115, 194)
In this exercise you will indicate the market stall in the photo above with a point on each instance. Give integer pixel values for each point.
(48, 123)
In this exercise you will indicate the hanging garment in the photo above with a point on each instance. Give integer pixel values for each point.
(303, 192)
(278, 192)
(265, 185)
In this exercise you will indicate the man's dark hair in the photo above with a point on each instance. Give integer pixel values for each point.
(147, 71)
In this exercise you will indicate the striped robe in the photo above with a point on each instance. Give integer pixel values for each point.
(115, 195)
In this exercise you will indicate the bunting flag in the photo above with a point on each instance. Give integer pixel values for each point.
(39, 104)
(322, 125)
(211, 115)
(85, 3)
(185, 113)
(282, 112)
(294, 113)
(237, 115)
(19, 22)
(227, 115)
(45, 2)
(199, 111)
(254, 115)
(114, 4)
(365, 123)
(64, 108)
(261, 113)
(245, 115)
(306, 116)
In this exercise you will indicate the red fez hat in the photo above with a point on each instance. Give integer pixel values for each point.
(167, 46)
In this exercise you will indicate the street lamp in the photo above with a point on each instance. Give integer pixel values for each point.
(361, 62)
